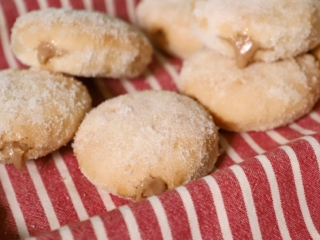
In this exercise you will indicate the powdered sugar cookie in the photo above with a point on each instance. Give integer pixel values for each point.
(168, 23)
(260, 97)
(258, 30)
(39, 113)
(81, 43)
(145, 143)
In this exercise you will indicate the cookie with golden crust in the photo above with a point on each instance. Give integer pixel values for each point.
(260, 97)
(40, 112)
(168, 24)
(251, 30)
(145, 143)
(80, 43)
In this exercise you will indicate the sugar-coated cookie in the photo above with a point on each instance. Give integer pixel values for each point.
(168, 23)
(80, 43)
(39, 113)
(258, 30)
(260, 97)
(141, 144)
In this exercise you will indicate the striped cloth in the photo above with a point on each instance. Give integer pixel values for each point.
(266, 185)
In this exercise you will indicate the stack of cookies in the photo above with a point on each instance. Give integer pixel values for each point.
(42, 107)
(254, 73)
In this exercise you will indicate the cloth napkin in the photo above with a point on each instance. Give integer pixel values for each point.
(266, 185)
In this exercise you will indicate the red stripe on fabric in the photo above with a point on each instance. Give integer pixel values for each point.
(121, 9)
(163, 77)
(29, 201)
(176, 63)
(86, 232)
(261, 194)
(288, 133)
(308, 123)
(264, 140)
(3, 62)
(310, 172)
(31, 5)
(87, 191)
(176, 214)
(54, 235)
(99, 6)
(242, 148)
(54, 3)
(147, 221)
(115, 225)
(234, 204)
(136, 2)
(288, 194)
(119, 201)
(57, 191)
(8, 228)
(115, 87)
(140, 83)
(224, 161)
(205, 209)
(76, 4)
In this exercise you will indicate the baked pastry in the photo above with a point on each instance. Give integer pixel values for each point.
(80, 43)
(145, 143)
(40, 112)
(168, 24)
(253, 30)
(260, 97)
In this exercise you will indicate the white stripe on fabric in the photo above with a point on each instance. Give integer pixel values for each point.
(248, 201)
(98, 228)
(220, 207)
(300, 192)
(21, 6)
(65, 3)
(252, 143)
(229, 150)
(301, 130)
(128, 86)
(161, 216)
(106, 199)
(152, 81)
(131, 222)
(315, 116)
(131, 11)
(71, 188)
(43, 195)
(4, 38)
(110, 7)
(102, 88)
(275, 194)
(65, 233)
(43, 4)
(170, 69)
(88, 5)
(275, 136)
(13, 202)
(191, 212)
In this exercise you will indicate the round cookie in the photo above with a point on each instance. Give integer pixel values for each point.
(80, 43)
(168, 23)
(256, 29)
(39, 113)
(145, 143)
(260, 97)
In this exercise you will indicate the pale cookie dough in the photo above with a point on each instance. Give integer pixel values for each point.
(257, 30)
(39, 113)
(80, 43)
(168, 24)
(260, 97)
(141, 144)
